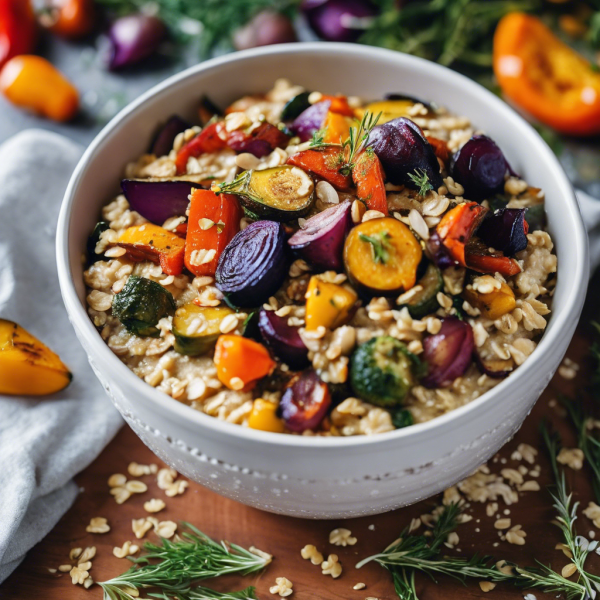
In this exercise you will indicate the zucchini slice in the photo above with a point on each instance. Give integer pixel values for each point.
(141, 304)
(424, 302)
(278, 194)
(196, 328)
(295, 106)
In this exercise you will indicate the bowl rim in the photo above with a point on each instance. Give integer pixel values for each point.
(81, 322)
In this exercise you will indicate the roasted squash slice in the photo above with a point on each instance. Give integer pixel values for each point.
(28, 367)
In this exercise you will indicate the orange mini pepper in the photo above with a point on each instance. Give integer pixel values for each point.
(213, 221)
(337, 128)
(339, 104)
(241, 361)
(18, 29)
(72, 19)
(151, 242)
(367, 175)
(32, 82)
(545, 77)
(457, 226)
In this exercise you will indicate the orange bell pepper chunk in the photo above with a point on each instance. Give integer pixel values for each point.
(151, 242)
(212, 223)
(326, 163)
(337, 128)
(74, 18)
(211, 139)
(241, 362)
(367, 175)
(457, 226)
(32, 82)
(545, 77)
(328, 304)
(339, 104)
(440, 147)
(18, 29)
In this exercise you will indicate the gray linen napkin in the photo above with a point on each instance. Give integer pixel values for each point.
(45, 442)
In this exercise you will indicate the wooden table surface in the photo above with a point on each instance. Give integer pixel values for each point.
(285, 536)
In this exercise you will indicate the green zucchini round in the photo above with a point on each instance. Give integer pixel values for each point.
(424, 302)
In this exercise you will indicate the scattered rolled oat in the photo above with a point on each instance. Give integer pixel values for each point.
(88, 554)
(121, 494)
(502, 524)
(88, 583)
(283, 587)
(127, 549)
(310, 552)
(140, 527)
(592, 512)
(166, 529)
(136, 470)
(516, 536)
(342, 537)
(74, 553)
(486, 586)
(572, 457)
(136, 487)
(117, 480)
(359, 586)
(155, 505)
(98, 525)
(78, 576)
(568, 570)
(65, 568)
(332, 566)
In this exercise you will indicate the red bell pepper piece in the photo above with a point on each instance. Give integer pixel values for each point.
(325, 162)
(367, 175)
(261, 141)
(212, 223)
(457, 226)
(18, 29)
(211, 139)
(151, 242)
(479, 258)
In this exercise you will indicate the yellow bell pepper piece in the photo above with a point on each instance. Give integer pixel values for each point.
(264, 418)
(495, 304)
(327, 304)
(28, 367)
(337, 128)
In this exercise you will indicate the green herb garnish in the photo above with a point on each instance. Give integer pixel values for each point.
(174, 566)
(380, 244)
(421, 180)
(358, 137)
(318, 137)
(203, 593)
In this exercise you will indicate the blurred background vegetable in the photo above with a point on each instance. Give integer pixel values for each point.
(72, 19)
(18, 30)
(133, 38)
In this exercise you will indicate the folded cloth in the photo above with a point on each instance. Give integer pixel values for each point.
(43, 442)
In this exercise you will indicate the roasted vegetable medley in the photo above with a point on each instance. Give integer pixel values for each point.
(321, 264)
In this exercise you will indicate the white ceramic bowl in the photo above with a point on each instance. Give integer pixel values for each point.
(304, 476)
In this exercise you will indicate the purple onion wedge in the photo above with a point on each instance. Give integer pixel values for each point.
(133, 38)
(283, 339)
(448, 353)
(157, 201)
(254, 264)
(505, 230)
(403, 151)
(310, 120)
(163, 142)
(321, 241)
(305, 402)
(438, 253)
(480, 166)
(338, 20)
(494, 367)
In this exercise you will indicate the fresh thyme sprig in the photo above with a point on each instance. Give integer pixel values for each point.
(233, 187)
(173, 566)
(421, 180)
(203, 593)
(380, 245)
(357, 139)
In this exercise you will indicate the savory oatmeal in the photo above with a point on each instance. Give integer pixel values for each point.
(324, 265)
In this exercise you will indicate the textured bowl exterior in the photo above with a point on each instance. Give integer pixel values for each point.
(323, 477)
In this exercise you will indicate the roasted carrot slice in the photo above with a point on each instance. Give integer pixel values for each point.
(325, 162)
(480, 258)
(213, 221)
(367, 175)
(211, 139)
(339, 104)
(241, 361)
(151, 242)
(457, 226)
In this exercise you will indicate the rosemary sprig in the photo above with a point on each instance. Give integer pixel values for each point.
(318, 138)
(379, 244)
(173, 566)
(421, 180)
(357, 139)
(204, 593)
(236, 186)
